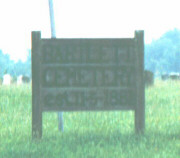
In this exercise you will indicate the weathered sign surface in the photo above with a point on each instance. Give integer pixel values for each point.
(87, 74)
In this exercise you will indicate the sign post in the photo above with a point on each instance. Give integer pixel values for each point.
(53, 35)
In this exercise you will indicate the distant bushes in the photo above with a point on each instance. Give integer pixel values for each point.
(163, 55)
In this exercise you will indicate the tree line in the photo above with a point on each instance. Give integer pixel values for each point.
(161, 56)
(14, 68)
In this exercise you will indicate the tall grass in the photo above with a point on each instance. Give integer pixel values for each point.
(92, 134)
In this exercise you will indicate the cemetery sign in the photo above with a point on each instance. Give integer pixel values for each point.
(87, 75)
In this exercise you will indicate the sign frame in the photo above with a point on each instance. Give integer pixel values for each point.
(38, 89)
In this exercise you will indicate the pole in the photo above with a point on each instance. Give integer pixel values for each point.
(53, 35)
(52, 21)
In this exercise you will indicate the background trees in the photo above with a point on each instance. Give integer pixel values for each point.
(161, 56)
(14, 68)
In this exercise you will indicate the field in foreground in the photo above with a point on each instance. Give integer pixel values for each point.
(92, 134)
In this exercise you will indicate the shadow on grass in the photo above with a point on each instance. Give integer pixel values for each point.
(149, 139)
(68, 143)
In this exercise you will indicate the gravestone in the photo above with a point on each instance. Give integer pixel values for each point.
(87, 75)
(148, 78)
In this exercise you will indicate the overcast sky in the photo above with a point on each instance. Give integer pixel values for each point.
(83, 18)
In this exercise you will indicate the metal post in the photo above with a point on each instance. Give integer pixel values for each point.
(52, 21)
(53, 35)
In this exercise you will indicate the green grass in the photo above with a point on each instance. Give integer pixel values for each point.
(92, 134)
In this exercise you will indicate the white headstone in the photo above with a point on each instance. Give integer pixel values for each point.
(19, 80)
(7, 79)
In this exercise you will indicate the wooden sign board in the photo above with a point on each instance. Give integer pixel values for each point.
(87, 75)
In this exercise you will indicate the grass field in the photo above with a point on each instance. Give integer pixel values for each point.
(92, 134)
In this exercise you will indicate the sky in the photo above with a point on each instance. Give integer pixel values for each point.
(83, 19)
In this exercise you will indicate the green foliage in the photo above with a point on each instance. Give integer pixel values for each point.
(14, 68)
(163, 55)
(92, 134)
(5, 63)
